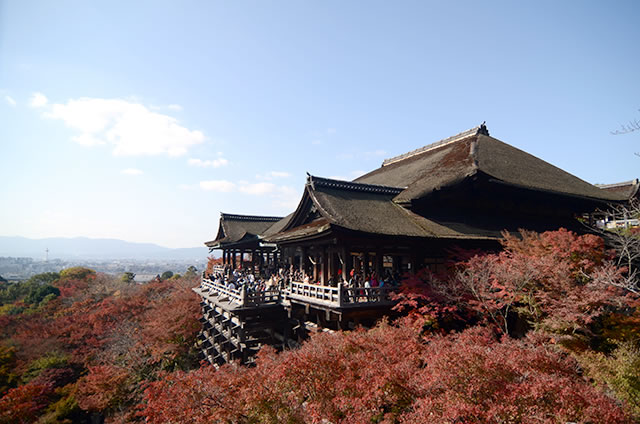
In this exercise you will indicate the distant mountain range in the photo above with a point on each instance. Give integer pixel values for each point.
(87, 248)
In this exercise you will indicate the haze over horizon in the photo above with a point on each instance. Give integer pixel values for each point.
(143, 121)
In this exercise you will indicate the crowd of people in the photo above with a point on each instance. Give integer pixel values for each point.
(272, 279)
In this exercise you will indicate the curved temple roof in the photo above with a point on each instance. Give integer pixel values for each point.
(367, 208)
(235, 228)
(376, 203)
(457, 158)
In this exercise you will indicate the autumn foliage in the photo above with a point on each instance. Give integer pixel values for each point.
(90, 349)
(535, 333)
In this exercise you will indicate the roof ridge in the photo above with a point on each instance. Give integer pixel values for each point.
(480, 129)
(237, 217)
(620, 184)
(350, 185)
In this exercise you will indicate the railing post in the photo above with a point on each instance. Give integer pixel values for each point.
(340, 292)
(243, 295)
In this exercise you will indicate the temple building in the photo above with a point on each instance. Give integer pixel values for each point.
(461, 192)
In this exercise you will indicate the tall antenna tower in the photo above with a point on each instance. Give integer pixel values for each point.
(46, 254)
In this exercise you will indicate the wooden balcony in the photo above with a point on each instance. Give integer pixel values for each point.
(338, 297)
(238, 298)
(313, 294)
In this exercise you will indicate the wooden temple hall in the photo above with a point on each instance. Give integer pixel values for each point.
(463, 191)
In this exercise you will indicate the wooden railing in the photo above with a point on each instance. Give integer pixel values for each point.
(323, 294)
(234, 295)
(241, 296)
(338, 296)
(262, 297)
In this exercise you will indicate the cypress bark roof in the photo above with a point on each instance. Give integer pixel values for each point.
(457, 158)
(366, 208)
(375, 202)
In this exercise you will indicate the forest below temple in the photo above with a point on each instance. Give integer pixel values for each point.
(545, 331)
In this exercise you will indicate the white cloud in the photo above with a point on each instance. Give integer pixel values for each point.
(38, 100)
(213, 163)
(175, 107)
(131, 128)
(281, 196)
(258, 188)
(222, 186)
(187, 187)
(331, 130)
(273, 174)
(286, 197)
(132, 171)
(317, 142)
(10, 101)
(87, 139)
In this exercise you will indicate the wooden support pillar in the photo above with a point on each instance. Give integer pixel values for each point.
(303, 259)
(345, 264)
(253, 260)
(325, 267)
(332, 265)
(315, 269)
(233, 259)
(366, 264)
(379, 263)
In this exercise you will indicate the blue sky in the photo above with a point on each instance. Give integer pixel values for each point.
(143, 120)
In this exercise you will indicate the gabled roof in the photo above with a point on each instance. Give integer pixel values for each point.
(235, 228)
(452, 160)
(367, 208)
(627, 189)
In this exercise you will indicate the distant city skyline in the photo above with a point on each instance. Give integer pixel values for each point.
(143, 121)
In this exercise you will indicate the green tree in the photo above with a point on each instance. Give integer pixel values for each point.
(76, 272)
(166, 275)
(128, 277)
(44, 278)
(192, 271)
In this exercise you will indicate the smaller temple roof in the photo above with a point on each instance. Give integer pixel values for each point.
(367, 208)
(241, 228)
(627, 189)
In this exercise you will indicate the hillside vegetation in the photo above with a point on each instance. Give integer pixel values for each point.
(543, 332)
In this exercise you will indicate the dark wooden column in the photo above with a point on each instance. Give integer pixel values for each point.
(333, 270)
(325, 265)
(345, 263)
(316, 271)
(366, 264)
(303, 258)
(379, 262)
